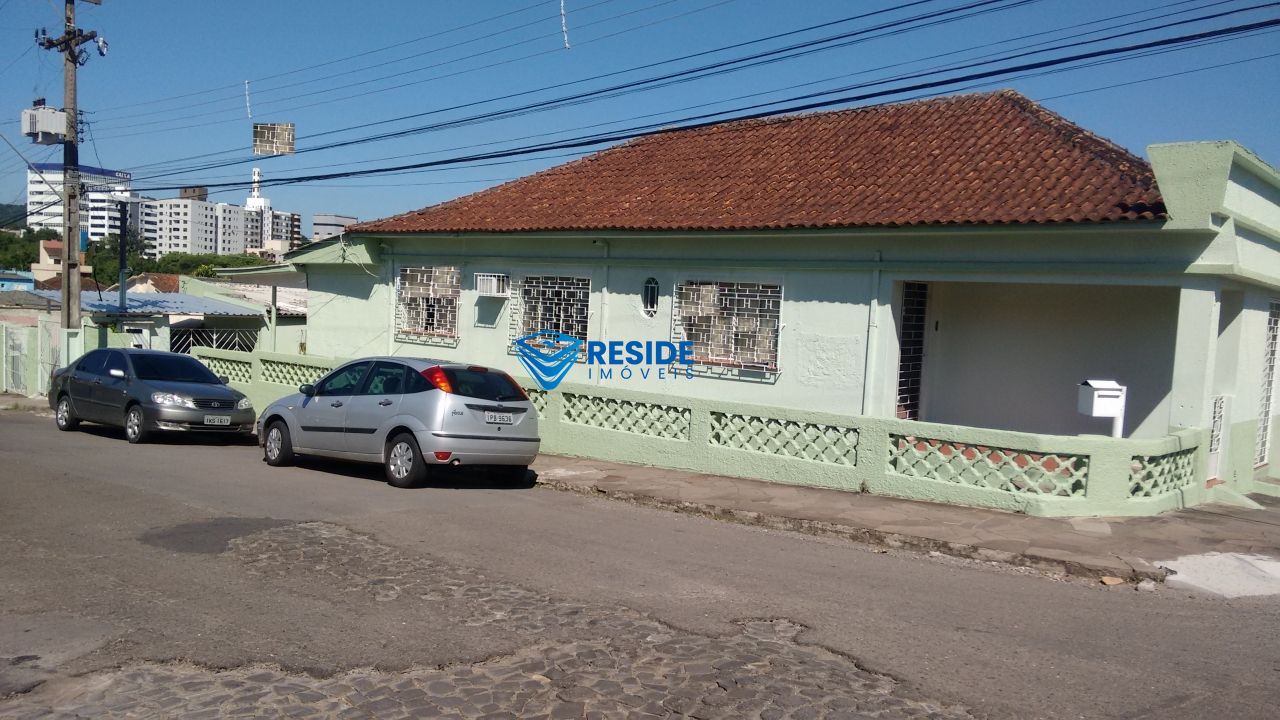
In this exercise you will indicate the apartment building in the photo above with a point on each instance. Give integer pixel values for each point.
(98, 213)
(327, 225)
(185, 225)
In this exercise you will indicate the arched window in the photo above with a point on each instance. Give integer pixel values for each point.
(649, 297)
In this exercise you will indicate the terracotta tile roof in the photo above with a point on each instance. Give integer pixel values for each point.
(162, 282)
(989, 158)
(55, 283)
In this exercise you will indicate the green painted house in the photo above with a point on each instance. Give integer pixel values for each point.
(901, 299)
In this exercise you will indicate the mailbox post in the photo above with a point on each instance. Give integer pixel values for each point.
(1104, 398)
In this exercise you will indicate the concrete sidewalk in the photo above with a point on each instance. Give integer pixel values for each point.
(1129, 548)
(10, 401)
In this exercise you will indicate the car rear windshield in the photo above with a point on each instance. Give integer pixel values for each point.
(175, 368)
(483, 385)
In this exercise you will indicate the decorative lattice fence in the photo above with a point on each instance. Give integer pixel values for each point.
(787, 438)
(1154, 475)
(288, 373)
(994, 468)
(664, 421)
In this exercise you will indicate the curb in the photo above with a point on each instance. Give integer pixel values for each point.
(1133, 570)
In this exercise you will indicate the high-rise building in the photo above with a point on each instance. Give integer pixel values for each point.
(98, 215)
(280, 231)
(326, 225)
(186, 226)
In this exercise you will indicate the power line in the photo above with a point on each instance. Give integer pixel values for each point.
(693, 123)
(1160, 77)
(15, 60)
(860, 35)
(775, 90)
(236, 98)
(637, 68)
(401, 86)
(513, 112)
(335, 61)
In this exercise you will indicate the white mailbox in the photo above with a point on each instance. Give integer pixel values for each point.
(1105, 399)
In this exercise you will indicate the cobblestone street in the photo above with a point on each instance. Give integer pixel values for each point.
(582, 660)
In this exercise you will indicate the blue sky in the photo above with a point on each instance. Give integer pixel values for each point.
(451, 53)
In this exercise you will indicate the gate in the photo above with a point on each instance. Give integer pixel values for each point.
(49, 342)
(239, 339)
(15, 351)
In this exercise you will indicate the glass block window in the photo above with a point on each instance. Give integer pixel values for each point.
(649, 297)
(915, 302)
(732, 324)
(427, 301)
(552, 302)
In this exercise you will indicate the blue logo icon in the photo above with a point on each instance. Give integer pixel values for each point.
(548, 356)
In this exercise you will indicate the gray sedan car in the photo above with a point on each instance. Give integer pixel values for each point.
(410, 415)
(146, 391)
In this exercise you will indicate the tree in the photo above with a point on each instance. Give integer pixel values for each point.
(19, 252)
(104, 257)
(205, 270)
(184, 264)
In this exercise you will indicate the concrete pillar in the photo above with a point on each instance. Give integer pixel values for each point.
(880, 373)
(1195, 349)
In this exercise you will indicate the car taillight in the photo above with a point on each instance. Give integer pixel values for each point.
(516, 385)
(435, 375)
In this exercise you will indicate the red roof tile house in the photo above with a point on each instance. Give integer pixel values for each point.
(902, 299)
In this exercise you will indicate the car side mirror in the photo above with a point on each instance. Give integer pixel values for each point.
(224, 379)
(307, 389)
(116, 373)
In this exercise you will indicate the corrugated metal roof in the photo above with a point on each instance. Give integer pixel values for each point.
(154, 304)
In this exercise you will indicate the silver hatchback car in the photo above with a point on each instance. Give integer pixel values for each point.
(409, 414)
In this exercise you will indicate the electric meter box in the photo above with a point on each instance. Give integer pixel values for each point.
(1102, 398)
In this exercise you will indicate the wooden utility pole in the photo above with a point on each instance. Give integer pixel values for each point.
(69, 45)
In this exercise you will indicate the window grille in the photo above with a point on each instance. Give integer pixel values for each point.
(427, 301)
(915, 299)
(492, 285)
(649, 297)
(552, 302)
(734, 324)
(1263, 444)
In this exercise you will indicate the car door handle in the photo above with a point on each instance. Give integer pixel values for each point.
(384, 402)
(336, 403)
(97, 381)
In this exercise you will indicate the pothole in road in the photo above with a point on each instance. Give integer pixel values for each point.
(208, 537)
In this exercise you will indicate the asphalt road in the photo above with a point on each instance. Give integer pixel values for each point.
(118, 561)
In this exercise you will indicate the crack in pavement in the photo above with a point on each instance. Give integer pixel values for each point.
(587, 661)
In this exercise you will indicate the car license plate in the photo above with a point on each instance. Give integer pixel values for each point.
(497, 418)
(217, 420)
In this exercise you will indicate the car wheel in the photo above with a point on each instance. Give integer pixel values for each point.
(135, 425)
(64, 416)
(277, 447)
(404, 464)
